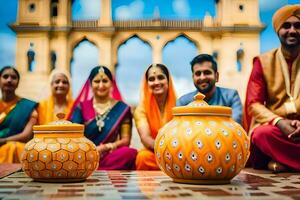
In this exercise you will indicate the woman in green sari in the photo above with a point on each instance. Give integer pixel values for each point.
(17, 116)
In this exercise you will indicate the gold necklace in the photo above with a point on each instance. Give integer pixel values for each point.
(101, 108)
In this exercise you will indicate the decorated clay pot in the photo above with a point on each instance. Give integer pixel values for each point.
(59, 152)
(202, 144)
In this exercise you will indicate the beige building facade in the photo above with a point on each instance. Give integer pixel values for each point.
(47, 36)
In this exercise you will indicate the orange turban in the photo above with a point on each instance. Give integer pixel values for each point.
(282, 14)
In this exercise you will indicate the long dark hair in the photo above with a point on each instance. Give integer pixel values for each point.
(163, 68)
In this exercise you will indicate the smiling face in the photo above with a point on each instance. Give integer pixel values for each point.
(60, 85)
(157, 81)
(101, 85)
(289, 32)
(9, 81)
(204, 77)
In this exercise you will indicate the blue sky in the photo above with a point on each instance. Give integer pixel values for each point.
(128, 59)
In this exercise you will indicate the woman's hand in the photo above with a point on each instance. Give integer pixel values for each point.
(101, 149)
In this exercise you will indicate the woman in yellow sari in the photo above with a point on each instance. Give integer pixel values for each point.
(155, 109)
(17, 116)
(59, 99)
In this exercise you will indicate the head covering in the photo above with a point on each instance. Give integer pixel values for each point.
(282, 14)
(152, 111)
(86, 92)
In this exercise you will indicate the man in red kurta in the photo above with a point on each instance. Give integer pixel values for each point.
(273, 100)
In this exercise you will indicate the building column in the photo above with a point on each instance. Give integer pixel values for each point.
(156, 52)
(105, 16)
(62, 52)
(104, 45)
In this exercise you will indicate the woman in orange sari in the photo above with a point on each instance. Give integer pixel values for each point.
(17, 116)
(155, 109)
(60, 98)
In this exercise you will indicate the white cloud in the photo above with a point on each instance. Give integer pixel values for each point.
(7, 49)
(181, 8)
(132, 11)
(92, 8)
(86, 10)
(267, 5)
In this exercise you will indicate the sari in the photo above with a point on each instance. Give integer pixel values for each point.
(147, 114)
(13, 123)
(120, 158)
(46, 112)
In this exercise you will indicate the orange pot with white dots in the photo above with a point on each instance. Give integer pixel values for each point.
(202, 144)
(59, 152)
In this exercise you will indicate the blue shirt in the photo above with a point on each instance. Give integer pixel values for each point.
(222, 97)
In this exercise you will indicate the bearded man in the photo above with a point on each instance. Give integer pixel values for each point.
(205, 75)
(273, 101)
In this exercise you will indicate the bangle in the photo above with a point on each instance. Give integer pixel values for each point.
(276, 120)
(110, 146)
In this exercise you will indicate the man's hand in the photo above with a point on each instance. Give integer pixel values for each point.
(295, 135)
(290, 128)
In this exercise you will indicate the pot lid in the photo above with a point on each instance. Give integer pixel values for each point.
(60, 125)
(200, 107)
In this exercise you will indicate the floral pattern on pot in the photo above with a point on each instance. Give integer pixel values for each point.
(202, 148)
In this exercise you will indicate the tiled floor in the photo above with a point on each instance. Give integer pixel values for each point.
(249, 184)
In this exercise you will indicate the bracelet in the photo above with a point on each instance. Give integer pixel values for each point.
(110, 146)
(276, 120)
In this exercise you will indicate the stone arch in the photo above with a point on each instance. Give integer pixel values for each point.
(122, 39)
(75, 41)
(83, 38)
(185, 35)
(129, 63)
(140, 36)
(180, 70)
(80, 68)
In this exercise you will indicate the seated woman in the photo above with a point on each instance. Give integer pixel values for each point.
(155, 109)
(107, 122)
(59, 99)
(17, 117)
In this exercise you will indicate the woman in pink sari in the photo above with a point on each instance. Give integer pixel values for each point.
(107, 121)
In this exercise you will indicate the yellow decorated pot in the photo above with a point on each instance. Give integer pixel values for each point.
(202, 144)
(59, 152)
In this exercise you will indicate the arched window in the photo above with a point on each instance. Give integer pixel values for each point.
(179, 66)
(240, 59)
(30, 58)
(215, 54)
(54, 8)
(129, 64)
(85, 56)
(53, 59)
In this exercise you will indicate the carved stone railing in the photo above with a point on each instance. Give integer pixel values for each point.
(153, 24)
(85, 24)
(166, 24)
